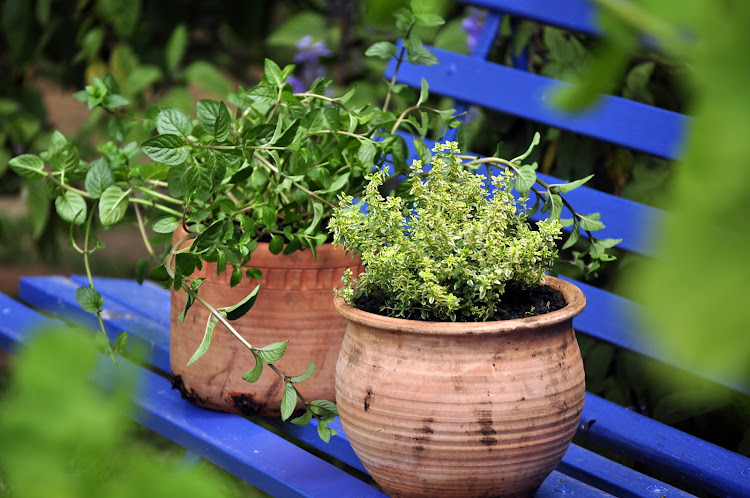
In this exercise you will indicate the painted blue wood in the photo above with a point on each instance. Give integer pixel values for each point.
(608, 430)
(152, 299)
(234, 443)
(575, 15)
(17, 323)
(57, 296)
(613, 477)
(509, 90)
(688, 458)
(616, 320)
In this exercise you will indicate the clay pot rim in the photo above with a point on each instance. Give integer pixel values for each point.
(573, 296)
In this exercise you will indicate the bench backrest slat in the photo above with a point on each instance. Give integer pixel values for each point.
(575, 15)
(501, 88)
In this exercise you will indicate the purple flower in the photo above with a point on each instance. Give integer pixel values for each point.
(297, 85)
(307, 59)
(472, 113)
(472, 25)
(309, 51)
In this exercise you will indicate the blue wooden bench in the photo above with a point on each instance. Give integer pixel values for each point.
(287, 460)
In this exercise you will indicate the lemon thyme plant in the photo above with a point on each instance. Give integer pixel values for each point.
(449, 251)
(266, 165)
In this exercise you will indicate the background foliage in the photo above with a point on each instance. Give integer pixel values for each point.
(166, 52)
(77, 441)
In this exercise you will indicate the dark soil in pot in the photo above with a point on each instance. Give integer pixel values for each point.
(516, 303)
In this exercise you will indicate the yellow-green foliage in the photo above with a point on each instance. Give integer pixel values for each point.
(448, 253)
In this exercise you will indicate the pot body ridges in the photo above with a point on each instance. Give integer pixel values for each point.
(457, 409)
(295, 303)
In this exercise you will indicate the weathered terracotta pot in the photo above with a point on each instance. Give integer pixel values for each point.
(294, 303)
(461, 409)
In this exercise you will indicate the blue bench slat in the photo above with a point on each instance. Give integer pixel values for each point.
(613, 119)
(17, 322)
(149, 296)
(243, 448)
(686, 457)
(614, 319)
(558, 483)
(230, 441)
(57, 296)
(340, 448)
(607, 316)
(575, 15)
(226, 439)
(613, 477)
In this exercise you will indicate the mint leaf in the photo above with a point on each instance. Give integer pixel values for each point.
(382, 49)
(98, 178)
(173, 121)
(166, 224)
(288, 401)
(254, 374)
(71, 207)
(239, 309)
(168, 149)
(113, 205)
(272, 353)
(89, 299)
(206, 342)
(28, 166)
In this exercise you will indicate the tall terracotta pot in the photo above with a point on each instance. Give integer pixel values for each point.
(294, 303)
(461, 409)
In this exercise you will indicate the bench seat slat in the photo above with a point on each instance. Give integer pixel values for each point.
(686, 457)
(614, 319)
(613, 477)
(230, 441)
(609, 429)
(509, 90)
(57, 296)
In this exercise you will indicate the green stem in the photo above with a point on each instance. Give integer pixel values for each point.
(82, 193)
(399, 60)
(142, 230)
(406, 113)
(90, 277)
(514, 167)
(278, 172)
(165, 209)
(159, 195)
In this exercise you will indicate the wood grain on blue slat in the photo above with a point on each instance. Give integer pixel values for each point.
(152, 299)
(509, 90)
(576, 15)
(688, 458)
(231, 442)
(241, 447)
(57, 296)
(17, 322)
(613, 477)
(617, 320)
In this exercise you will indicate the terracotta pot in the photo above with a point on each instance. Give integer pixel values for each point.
(294, 303)
(461, 409)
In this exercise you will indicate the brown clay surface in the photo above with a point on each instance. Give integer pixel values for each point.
(295, 303)
(461, 409)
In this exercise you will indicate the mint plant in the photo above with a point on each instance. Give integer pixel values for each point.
(265, 165)
(268, 164)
